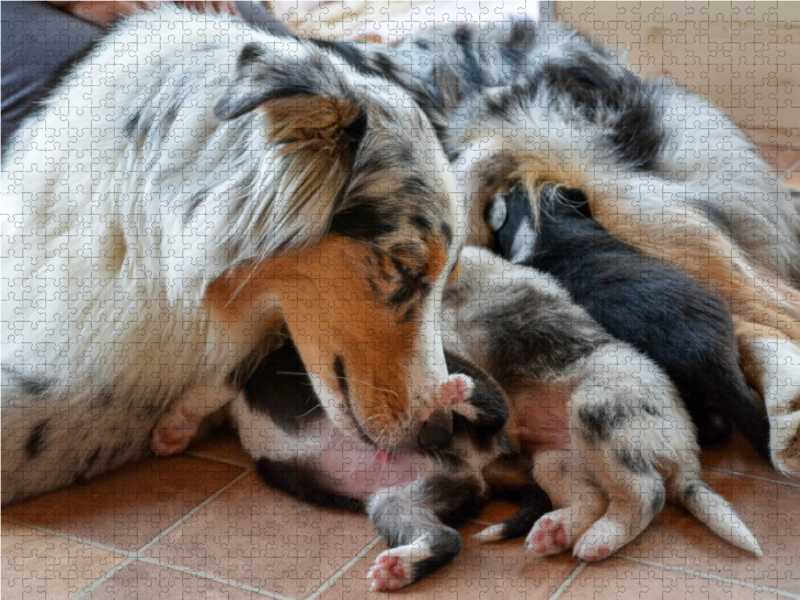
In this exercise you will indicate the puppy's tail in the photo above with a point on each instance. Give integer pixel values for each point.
(717, 514)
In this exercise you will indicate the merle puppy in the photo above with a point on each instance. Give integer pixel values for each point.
(658, 309)
(412, 497)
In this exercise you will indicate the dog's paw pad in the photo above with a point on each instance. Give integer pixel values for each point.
(389, 573)
(173, 432)
(549, 535)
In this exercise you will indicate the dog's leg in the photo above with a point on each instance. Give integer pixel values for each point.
(410, 519)
(772, 364)
(578, 503)
(176, 429)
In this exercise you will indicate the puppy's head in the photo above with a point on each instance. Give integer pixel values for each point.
(373, 236)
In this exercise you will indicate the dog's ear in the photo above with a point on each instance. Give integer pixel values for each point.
(299, 87)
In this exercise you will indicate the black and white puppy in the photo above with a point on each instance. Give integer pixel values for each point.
(413, 498)
(658, 309)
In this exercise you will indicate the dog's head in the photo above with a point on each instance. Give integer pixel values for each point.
(360, 243)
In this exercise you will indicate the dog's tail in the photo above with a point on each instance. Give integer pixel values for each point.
(716, 513)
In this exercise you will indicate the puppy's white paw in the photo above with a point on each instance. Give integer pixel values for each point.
(785, 443)
(173, 432)
(392, 570)
(600, 541)
(551, 534)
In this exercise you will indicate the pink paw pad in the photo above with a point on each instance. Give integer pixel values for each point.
(388, 573)
(172, 433)
(455, 389)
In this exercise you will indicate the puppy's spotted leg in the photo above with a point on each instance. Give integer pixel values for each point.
(579, 503)
(176, 429)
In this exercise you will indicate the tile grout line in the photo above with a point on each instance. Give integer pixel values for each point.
(226, 461)
(194, 511)
(703, 575)
(215, 578)
(72, 538)
(104, 578)
(757, 477)
(568, 581)
(133, 556)
(361, 554)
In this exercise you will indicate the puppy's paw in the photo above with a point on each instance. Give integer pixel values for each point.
(496, 213)
(393, 569)
(601, 541)
(551, 534)
(173, 432)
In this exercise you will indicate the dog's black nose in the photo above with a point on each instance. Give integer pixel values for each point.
(437, 432)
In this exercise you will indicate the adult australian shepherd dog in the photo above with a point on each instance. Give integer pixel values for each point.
(190, 185)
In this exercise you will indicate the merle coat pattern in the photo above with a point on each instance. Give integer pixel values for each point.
(163, 227)
(662, 169)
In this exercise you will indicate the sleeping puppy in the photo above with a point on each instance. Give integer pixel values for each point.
(659, 310)
(217, 182)
(412, 497)
(610, 438)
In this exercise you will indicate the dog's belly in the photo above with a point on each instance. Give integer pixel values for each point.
(542, 415)
(358, 470)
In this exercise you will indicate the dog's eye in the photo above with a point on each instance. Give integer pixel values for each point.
(341, 375)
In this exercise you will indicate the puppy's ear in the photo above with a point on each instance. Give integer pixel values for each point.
(301, 90)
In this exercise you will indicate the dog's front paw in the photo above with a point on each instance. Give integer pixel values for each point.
(173, 432)
(393, 569)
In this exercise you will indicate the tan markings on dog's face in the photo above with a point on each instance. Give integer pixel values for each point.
(355, 314)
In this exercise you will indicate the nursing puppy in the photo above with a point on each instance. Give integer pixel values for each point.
(565, 111)
(412, 498)
(190, 186)
(640, 300)
(610, 438)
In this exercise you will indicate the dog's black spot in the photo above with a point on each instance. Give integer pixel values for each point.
(658, 501)
(32, 386)
(251, 53)
(601, 421)
(133, 123)
(437, 432)
(422, 46)
(37, 439)
(632, 459)
(650, 409)
(341, 375)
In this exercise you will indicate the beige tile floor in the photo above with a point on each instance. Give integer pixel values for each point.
(202, 525)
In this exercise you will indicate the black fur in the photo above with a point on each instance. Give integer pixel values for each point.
(303, 483)
(37, 439)
(281, 388)
(647, 303)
